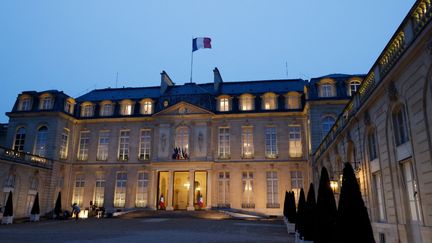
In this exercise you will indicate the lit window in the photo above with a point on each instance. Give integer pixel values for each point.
(123, 150)
(182, 143)
(84, 143)
(69, 106)
(269, 101)
(78, 193)
(412, 194)
(353, 87)
(142, 190)
(247, 142)
(379, 195)
(246, 102)
(224, 142)
(102, 152)
(248, 189)
(327, 90)
(25, 104)
(399, 126)
(224, 189)
(295, 141)
(126, 108)
(87, 110)
(372, 146)
(145, 144)
(224, 104)
(99, 195)
(293, 100)
(270, 142)
(272, 190)
(41, 141)
(19, 139)
(326, 123)
(296, 182)
(120, 190)
(64, 142)
(147, 107)
(107, 109)
(46, 103)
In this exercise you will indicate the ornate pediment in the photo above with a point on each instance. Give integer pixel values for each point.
(183, 108)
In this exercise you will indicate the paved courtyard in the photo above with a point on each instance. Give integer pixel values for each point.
(150, 226)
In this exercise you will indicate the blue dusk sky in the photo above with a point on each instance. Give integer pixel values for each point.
(76, 46)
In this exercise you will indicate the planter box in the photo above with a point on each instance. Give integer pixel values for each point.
(290, 228)
(34, 217)
(7, 220)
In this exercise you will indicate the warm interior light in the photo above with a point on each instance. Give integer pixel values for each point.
(334, 185)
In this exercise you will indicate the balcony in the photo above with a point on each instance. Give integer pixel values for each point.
(25, 158)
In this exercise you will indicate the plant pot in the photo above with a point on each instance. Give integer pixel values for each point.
(7, 220)
(34, 217)
(291, 228)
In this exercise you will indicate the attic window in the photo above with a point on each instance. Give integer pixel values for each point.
(46, 102)
(25, 103)
(269, 101)
(246, 102)
(126, 107)
(146, 107)
(292, 100)
(224, 103)
(87, 110)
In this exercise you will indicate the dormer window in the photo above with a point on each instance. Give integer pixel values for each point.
(69, 106)
(246, 102)
(106, 108)
(46, 102)
(327, 88)
(353, 87)
(224, 103)
(126, 107)
(146, 107)
(87, 109)
(292, 100)
(25, 103)
(269, 101)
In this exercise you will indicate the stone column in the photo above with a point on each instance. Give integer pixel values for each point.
(152, 197)
(169, 206)
(209, 189)
(191, 190)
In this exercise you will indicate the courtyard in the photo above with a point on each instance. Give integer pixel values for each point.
(151, 226)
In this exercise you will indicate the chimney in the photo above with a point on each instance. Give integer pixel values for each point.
(165, 82)
(217, 79)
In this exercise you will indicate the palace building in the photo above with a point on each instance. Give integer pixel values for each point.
(237, 145)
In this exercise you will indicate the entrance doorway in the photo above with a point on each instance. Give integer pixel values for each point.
(181, 190)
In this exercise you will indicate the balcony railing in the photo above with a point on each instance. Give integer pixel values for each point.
(25, 158)
(412, 26)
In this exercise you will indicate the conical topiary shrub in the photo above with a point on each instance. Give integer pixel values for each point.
(292, 212)
(326, 212)
(353, 219)
(310, 215)
(285, 205)
(58, 207)
(35, 211)
(8, 213)
(300, 219)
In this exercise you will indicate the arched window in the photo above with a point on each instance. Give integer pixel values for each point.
(106, 108)
(246, 102)
(25, 103)
(224, 103)
(182, 142)
(147, 107)
(46, 102)
(327, 123)
(400, 126)
(372, 145)
(87, 109)
(9, 182)
(19, 139)
(269, 101)
(41, 141)
(353, 87)
(126, 107)
(327, 88)
(69, 106)
(292, 100)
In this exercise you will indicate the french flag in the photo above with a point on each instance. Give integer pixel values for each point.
(200, 43)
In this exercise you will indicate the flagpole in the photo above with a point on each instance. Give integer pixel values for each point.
(191, 62)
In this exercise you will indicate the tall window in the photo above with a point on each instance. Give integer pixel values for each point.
(296, 182)
(147, 107)
(247, 142)
(19, 139)
(372, 146)
(84, 143)
(270, 142)
(142, 190)
(293, 100)
(99, 195)
(224, 189)
(400, 126)
(246, 102)
(224, 104)
(126, 108)
(224, 142)
(269, 101)
(353, 87)
(31, 193)
(248, 190)
(182, 139)
(9, 182)
(123, 150)
(41, 141)
(106, 109)
(272, 190)
(69, 106)
(327, 123)
(46, 103)
(295, 141)
(145, 144)
(78, 193)
(64, 142)
(102, 152)
(327, 90)
(411, 191)
(25, 104)
(379, 195)
(87, 110)
(120, 190)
